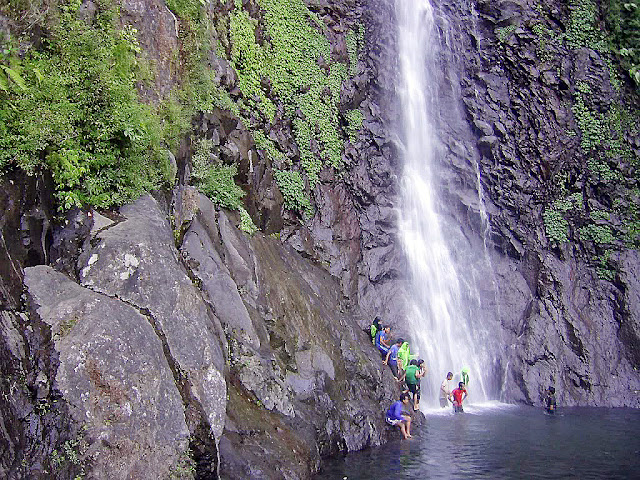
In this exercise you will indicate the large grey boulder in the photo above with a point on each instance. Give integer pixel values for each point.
(136, 261)
(114, 375)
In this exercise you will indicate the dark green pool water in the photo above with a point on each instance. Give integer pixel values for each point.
(505, 442)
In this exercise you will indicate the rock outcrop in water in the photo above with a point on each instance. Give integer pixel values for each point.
(159, 340)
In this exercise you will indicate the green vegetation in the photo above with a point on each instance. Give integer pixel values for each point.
(283, 56)
(72, 109)
(545, 36)
(611, 165)
(291, 184)
(70, 455)
(185, 468)
(505, 32)
(266, 144)
(214, 179)
(623, 23)
(605, 269)
(354, 123)
(555, 224)
(583, 28)
(591, 123)
(246, 223)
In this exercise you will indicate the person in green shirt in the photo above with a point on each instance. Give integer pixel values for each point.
(411, 376)
(404, 356)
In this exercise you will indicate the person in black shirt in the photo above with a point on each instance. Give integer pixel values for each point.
(550, 400)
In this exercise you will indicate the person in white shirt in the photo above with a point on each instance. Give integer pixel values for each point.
(445, 390)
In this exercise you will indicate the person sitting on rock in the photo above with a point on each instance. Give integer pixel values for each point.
(459, 394)
(412, 375)
(392, 357)
(383, 340)
(550, 401)
(396, 417)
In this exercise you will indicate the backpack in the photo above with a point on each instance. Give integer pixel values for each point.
(373, 332)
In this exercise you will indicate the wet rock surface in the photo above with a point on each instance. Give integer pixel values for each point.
(562, 323)
(161, 331)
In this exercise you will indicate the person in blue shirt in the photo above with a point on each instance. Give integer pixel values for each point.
(392, 357)
(383, 340)
(396, 417)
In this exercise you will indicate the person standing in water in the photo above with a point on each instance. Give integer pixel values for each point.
(445, 390)
(459, 394)
(550, 401)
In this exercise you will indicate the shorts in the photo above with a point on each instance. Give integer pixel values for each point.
(394, 421)
(414, 388)
(444, 402)
(458, 409)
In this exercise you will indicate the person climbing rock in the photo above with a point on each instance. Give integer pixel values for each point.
(459, 394)
(445, 390)
(396, 417)
(392, 357)
(383, 340)
(404, 356)
(375, 327)
(550, 401)
(412, 376)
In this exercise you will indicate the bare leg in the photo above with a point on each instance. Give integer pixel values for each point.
(403, 430)
(408, 419)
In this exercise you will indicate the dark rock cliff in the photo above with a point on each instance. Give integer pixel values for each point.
(160, 341)
(558, 198)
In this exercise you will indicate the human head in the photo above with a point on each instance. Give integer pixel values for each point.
(399, 341)
(449, 376)
(461, 385)
(404, 396)
(420, 362)
(413, 362)
(376, 320)
(552, 390)
(387, 328)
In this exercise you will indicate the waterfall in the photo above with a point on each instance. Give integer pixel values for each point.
(443, 297)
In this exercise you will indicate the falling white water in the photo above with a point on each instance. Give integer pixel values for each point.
(444, 295)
